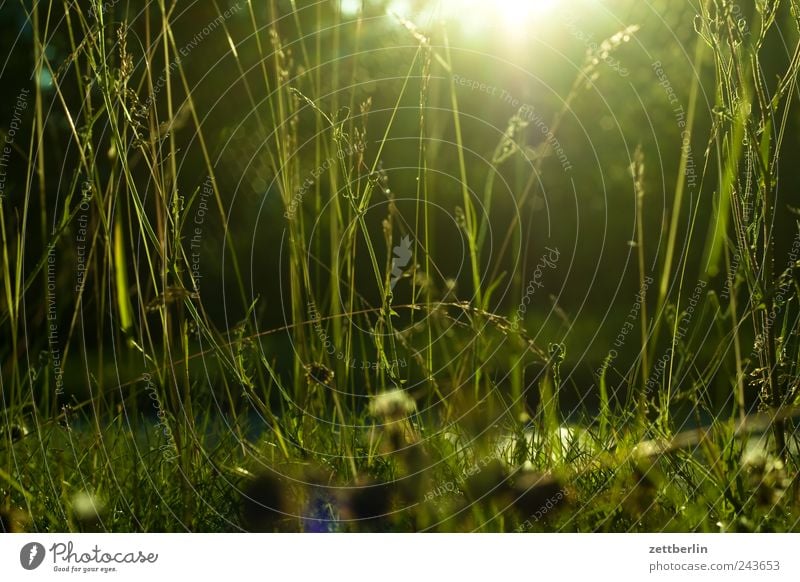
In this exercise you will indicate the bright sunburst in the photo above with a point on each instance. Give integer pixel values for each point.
(513, 16)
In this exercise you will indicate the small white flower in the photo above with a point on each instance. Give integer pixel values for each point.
(87, 507)
(392, 405)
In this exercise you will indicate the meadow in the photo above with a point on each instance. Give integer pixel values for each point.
(400, 266)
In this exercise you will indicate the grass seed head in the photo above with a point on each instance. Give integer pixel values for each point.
(392, 405)
(319, 374)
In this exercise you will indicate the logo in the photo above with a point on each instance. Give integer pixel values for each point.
(32, 555)
(402, 256)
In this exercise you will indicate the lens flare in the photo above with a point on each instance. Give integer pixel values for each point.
(514, 17)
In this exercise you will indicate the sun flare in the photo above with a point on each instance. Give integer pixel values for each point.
(512, 16)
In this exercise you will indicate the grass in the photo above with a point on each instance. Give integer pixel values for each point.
(204, 328)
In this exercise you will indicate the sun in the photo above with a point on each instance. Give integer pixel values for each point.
(512, 17)
(517, 14)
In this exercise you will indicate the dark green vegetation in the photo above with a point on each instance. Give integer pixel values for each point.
(299, 266)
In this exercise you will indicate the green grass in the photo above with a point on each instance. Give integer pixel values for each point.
(322, 392)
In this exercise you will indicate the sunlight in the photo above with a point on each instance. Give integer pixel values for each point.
(350, 7)
(514, 16)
